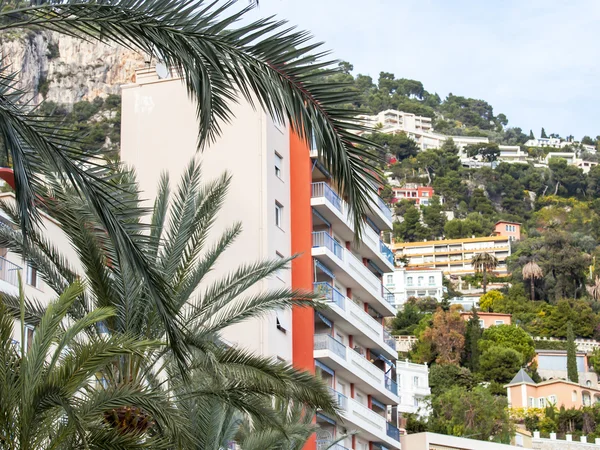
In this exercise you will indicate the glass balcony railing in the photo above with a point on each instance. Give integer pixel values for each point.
(9, 272)
(387, 252)
(324, 239)
(393, 432)
(322, 189)
(326, 342)
(389, 339)
(391, 385)
(340, 399)
(330, 293)
(387, 295)
(387, 212)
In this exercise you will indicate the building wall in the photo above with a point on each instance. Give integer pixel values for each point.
(159, 134)
(509, 229)
(560, 393)
(413, 387)
(405, 284)
(489, 319)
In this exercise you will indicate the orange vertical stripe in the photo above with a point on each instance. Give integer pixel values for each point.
(303, 320)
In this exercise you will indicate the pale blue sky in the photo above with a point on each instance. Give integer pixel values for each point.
(537, 61)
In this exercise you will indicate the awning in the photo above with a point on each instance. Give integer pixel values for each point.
(324, 368)
(324, 268)
(378, 404)
(320, 216)
(374, 267)
(325, 320)
(325, 418)
(383, 358)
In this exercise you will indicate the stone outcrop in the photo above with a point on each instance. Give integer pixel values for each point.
(66, 70)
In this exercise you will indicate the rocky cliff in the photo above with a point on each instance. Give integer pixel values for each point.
(66, 70)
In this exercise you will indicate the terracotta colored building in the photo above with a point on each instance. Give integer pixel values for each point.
(489, 319)
(421, 195)
(523, 392)
(511, 230)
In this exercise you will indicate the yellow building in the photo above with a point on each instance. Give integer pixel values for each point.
(453, 256)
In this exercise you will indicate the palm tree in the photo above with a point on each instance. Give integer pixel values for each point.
(483, 263)
(265, 62)
(52, 394)
(174, 245)
(594, 290)
(532, 272)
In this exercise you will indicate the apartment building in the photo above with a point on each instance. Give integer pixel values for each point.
(417, 193)
(413, 383)
(453, 256)
(392, 121)
(420, 282)
(287, 204)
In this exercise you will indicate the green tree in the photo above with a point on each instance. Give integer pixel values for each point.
(410, 229)
(572, 372)
(508, 336)
(588, 141)
(532, 272)
(483, 263)
(531, 136)
(406, 319)
(399, 145)
(500, 364)
(473, 333)
(543, 134)
(474, 413)
(221, 60)
(487, 151)
(446, 376)
(434, 217)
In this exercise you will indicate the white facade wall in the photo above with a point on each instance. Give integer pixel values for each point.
(413, 387)
(159, 133)
(415, 283)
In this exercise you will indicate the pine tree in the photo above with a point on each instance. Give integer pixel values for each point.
(571, 355)
(543, 135)
(531, 136)
(472, 335)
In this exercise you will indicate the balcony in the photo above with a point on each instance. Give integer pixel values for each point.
(9, 277)
(352, 319)
(371, 426)
(392, 431)
(380, 213)
(352, 272)
(356, 368)
(328, 204)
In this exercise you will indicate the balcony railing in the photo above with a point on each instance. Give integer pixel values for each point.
(322, 189)
(340, 399)
(330, 293)
(9, 272)
(387, 295)
(385, 251)
(324, 239)
(389, 339)
(391, 385)
(384, 208)
(326, 342)
(393, 432)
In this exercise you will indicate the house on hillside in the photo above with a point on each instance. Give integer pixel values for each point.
(420, 283)
(523, 392)
(417, 193)
(512, 230)
(552, 364)
(488, 319)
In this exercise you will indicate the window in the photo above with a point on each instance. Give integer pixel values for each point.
(499, 322)
(552, 399)
(420, 281)
(279, 273)
(278, 165)
(431, 281)
(531, 402)
(417, 402)
(481, 323)
(390, 279)
(588, 383)
(278, 215)
(32, 276)
(409, 281)
(506, 227)
(541, 402)
(425, 194)
(281, 321)
(416, 381)
(29, 334)
(574, 396)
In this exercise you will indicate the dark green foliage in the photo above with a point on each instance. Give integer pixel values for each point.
(572, 372)
(543, 133)
(444, 377)
(399, 145)
(473, 334)
(487, 152)
(500, 364)
(410, 229)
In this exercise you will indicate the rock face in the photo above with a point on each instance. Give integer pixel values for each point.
(66, 70)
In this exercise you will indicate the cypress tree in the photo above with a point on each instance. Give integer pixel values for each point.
(473, 333)
(571, 355)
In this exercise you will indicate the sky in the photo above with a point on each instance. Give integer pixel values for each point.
(538, 62)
